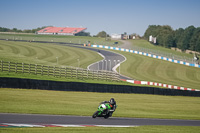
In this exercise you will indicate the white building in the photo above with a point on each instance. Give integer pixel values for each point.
(116, 36)
(152, 39)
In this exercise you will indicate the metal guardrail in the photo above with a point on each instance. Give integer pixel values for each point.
(65, 72)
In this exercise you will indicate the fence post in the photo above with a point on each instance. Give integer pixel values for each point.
(82, 74)
(92, 74)
(22, 67)
(71, 72)
(76, 73)
(65, 72)
(112, 76)
(106, 76)
(42, 70)
(36, 69)
(15, 67)
(9, 66)
(87, 73)
(54, 71)
(60, 72)
(97, 74)
(29, 68)
(48, 71)
(118, 77)
(1, 65)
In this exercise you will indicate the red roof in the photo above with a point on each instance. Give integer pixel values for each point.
(61, 30)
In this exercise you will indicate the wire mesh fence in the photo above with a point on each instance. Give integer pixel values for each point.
(165, 54)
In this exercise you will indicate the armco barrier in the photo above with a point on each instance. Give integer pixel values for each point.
(147, 54)
(89, 87)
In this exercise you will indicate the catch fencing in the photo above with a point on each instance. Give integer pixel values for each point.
(65, 72)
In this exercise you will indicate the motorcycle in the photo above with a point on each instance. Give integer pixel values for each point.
(103, 111)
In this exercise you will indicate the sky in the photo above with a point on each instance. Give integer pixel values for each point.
(112, 16)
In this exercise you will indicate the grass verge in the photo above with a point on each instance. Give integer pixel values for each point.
(141, 129)
(86, 103)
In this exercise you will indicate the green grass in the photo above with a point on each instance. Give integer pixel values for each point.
(68, 79)
(148, 69)
(137, 66)
(141, 129)
(54, 38)
(144, 68)
(86, 103)
(147, 45)
(41, 53)
(129, 105)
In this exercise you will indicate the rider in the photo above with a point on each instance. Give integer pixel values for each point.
(113, 105)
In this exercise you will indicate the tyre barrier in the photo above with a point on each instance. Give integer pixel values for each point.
(90, 87)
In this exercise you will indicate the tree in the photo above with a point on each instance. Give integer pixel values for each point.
(83, 34)
(151, 30)
(177, 35)
(102, 34)
(188, 38)
(160, 32)
(198, 44)
(185, 38)
(169, 41)
(194, 40)
(14, 29)
(2, 29)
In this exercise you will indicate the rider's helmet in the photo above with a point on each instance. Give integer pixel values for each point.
(112, 101)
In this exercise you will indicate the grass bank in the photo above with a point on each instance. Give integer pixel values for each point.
(59, 38)
(144, 44)
(46, 54)
(144, 68)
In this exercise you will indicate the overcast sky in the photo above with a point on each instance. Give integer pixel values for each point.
(112, 16)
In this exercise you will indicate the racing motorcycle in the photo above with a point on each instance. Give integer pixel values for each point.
(103, 111)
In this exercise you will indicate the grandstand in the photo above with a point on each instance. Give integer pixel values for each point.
(60, 31)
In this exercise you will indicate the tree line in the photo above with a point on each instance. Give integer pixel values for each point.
(2, 29)
(188, 38)
(102, 34)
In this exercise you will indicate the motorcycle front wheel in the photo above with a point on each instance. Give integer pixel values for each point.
(95, 114)
(106, 116)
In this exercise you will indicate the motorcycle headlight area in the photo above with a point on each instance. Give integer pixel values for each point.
(103, 106)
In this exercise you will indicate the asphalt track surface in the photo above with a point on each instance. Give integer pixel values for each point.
(109, 63)
(110, 60)
(86, 120)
